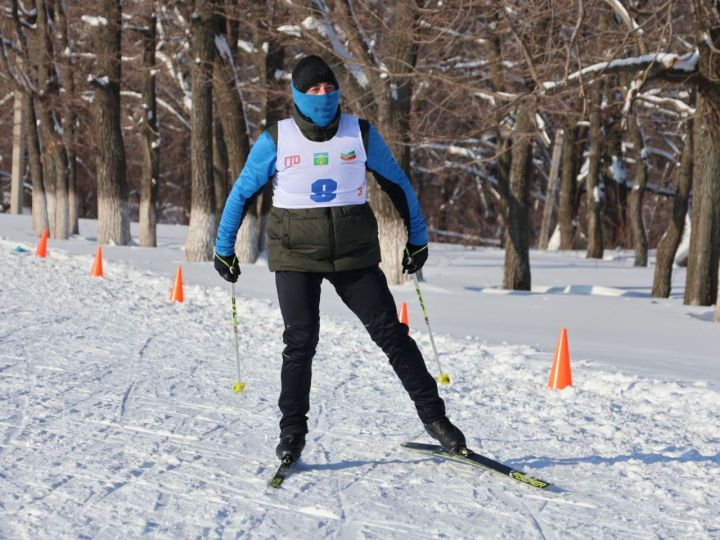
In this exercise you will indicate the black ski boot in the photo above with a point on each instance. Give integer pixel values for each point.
(450, 437)
(291, 445)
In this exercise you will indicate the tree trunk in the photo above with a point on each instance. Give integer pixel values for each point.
(517, 256)
(567, 201)
(39, 202)
(668, 245)
(226, 87)
(395, 126)
(592, 183)
(220, 164)
(18, 153)
(69, 120)
(276, 108)
(551, 196)
(638, 153)
(234, 131)
(113, 215)
(201, 231)
(53, 148)
(149, 183)
(701, 284)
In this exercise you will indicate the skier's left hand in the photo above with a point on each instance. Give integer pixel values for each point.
(414, 258)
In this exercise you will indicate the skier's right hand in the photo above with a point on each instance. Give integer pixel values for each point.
(227, 266)
(414, 258)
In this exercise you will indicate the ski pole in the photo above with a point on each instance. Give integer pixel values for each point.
(239, 385)
(443, 378)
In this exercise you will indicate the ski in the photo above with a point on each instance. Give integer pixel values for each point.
(476, 460)
(282, 472)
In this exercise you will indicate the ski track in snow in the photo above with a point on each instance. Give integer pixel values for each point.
(118, 420)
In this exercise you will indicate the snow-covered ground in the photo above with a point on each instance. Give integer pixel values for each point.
(118, 419)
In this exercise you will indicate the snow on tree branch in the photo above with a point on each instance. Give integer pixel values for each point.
(246, 46)
(326, 30)
(290, 30)
(103, 81)
(7, 98)
(9, 44)
(629, 22)
(223, 49)
(678, 106)
(164, 104)
(453, 150)
(664, 62)
(94, 21)
(709, 42)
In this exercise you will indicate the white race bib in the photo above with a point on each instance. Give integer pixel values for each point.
(313, 174)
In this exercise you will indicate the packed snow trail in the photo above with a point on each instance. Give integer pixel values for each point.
(118, 420)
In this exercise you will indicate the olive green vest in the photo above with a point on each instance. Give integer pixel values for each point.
(329, 239)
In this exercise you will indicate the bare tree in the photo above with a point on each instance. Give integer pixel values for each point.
(568, 184)
(113, 215)
(276, 101)
(226, 86)
(702, 285)
(550, 199)
(201, 232)
(39, 201)
(54, 155)
(593, 194)
(638, 156)
(149, 185)
(668, 245)
(221, 180)
(69, 114)
(18, 154)
(23, 79)
(516, 274)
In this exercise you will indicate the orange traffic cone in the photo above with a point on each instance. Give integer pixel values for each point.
(404, 315)
(97, 270)
(177, 291)
(560, 374)
(41, 250)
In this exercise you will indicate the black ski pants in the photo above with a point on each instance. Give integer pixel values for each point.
(366, 293)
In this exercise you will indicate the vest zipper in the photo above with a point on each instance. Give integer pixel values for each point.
(332, 237)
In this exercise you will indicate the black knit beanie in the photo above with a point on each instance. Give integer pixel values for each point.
(310, 71)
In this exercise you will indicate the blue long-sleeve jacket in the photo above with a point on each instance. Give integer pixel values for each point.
(260, 168)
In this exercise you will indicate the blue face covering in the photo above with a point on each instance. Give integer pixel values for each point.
(321, 109)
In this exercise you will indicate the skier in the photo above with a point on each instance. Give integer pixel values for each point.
(321, 227)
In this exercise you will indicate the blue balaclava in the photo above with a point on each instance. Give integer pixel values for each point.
(310, 71)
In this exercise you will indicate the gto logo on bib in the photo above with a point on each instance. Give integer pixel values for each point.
(292, 161)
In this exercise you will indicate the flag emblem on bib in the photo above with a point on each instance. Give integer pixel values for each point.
(321, 158)
(348, 156)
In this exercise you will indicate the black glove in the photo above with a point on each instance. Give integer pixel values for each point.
(414, 258)
(227, 266)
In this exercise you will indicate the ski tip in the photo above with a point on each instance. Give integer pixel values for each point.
(275, 483)
(525, 479)
(285, 464)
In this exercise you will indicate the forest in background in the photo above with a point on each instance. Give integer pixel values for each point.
(574, 124)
